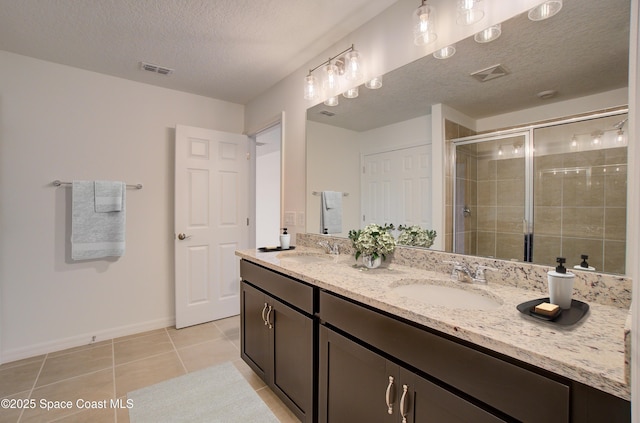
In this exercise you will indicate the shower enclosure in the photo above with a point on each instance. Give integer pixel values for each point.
(544, 191)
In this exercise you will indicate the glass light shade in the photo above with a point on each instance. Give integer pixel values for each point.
(489, 34)
(374, 83)
(469, 12)
(351, 93)
(424, 26)
(331, 101)
(311, 87)
(545, 10)
(352, 66)
(445, 52)
(330, 78)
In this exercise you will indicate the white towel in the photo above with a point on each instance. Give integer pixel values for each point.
(95, 234)
(108, 196)
(331, 212)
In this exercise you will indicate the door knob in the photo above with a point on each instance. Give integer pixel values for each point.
(182, 237)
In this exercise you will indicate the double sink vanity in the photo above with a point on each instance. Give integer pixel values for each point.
(406, 343)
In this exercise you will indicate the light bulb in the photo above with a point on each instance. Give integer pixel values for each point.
(310, 87)
(445, 52)
(545, 10)
(352, 67)
(469, 12)
(424, 28)
(351, 93)
(331, 101)
(331, 78)
(489, 34)
(374, 83)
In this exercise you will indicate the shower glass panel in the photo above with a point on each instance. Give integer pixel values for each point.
(547, 191)
(491, 203)
(580, 194)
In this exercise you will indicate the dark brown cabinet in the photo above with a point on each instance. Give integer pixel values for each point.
(332, 359)
(359, 385)
(277, 342)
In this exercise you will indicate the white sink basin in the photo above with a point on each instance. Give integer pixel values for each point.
(447, 296)
(305, 258)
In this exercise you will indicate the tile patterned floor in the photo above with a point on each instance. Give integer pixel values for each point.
(110, 369)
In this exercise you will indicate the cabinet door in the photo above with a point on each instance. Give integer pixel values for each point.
(426, 402)
(254, 340)
(292, 343)
(353, 382)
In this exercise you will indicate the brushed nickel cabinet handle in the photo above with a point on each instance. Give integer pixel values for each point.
(403, 403)
(269, 317)
(264, 319)
(389, 396)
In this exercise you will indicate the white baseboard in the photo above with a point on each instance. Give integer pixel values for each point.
(83, 339)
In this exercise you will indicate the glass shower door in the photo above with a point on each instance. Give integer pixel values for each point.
(491, 193)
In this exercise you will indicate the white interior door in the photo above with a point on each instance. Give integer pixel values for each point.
(396, 187)
(211, 210)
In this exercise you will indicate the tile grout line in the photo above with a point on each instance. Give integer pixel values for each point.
(33, 387)
(176, 351)
(113, 370)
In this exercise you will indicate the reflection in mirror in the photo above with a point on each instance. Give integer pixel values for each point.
(575, 54)
(551, 191)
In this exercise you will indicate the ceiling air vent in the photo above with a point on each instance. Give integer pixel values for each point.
(149, 67)
(327, 113)
(492, 72)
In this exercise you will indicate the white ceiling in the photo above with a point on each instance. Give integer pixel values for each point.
(232, 50)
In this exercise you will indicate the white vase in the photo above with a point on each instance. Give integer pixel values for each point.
(371, 262)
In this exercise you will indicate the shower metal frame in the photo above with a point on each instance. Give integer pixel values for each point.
(527, 132)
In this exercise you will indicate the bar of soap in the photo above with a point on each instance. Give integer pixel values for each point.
(546, 309)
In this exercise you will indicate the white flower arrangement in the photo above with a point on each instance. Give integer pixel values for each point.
(374, 240)
(416, 236)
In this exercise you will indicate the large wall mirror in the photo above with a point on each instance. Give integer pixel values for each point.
(575, 62)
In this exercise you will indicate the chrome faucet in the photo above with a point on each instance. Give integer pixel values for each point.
(463, 273)
(331, 248)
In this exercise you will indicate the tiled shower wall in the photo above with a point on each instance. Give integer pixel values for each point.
(575, 213)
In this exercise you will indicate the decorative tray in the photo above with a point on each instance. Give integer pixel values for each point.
(566, 317)
(267, 249)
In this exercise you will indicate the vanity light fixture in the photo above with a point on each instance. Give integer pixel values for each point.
(424, 25)
(445, 52)
(351, 93)
(490, 34)
(344, 65)
(545, 10)
(374, 83)
(332, 101)
(469, 12)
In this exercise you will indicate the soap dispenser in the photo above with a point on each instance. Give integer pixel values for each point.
(285, 239)
(584, 265)
(560, 285)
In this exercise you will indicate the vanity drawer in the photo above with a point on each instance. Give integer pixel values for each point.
(514, 390)
(285, 288)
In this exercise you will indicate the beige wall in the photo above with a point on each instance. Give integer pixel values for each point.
(64, 123)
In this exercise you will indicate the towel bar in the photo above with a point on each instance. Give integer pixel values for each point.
(57, 183)
(344, 194)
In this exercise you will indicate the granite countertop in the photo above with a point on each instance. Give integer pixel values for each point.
(591, 352)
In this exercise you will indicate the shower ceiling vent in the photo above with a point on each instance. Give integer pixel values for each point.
(492, 72)
(149, 67)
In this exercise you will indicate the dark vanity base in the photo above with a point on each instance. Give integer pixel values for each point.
(368, 365)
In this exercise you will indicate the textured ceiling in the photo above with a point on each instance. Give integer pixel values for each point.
(581, 51)
(232, 50)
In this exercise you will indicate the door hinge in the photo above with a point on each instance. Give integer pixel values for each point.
(363, 218)
(247, 221)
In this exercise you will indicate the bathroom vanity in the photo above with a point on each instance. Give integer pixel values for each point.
(337, 343)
